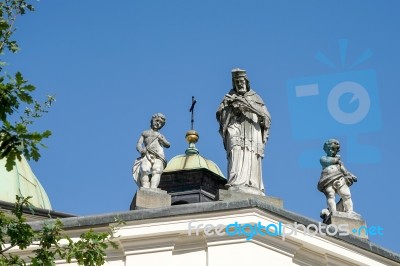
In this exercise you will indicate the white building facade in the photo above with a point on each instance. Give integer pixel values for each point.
(194, 234)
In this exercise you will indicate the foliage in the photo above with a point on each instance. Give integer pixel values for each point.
(51, 243)
(18, 108)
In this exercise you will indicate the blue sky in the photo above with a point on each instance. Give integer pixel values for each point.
(112, 64)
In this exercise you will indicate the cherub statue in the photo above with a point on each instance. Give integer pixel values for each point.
(148, 168)
(335, 179)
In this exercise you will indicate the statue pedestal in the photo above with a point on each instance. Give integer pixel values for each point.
(229, 195)
(147, 198)
(356, 224)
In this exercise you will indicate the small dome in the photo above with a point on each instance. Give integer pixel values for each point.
(22, 181)
(192, 161)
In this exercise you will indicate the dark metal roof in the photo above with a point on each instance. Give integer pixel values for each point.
(34, 214)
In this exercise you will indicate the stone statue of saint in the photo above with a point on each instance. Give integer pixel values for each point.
(335, 179)
(244, 126)
(148, 168)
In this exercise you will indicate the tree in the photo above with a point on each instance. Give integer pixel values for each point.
(18, 109)
(15, 232)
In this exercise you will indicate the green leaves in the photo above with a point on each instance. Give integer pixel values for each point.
(89, 250)
(3, 25)
(18, 111)
(51, 241)
(16, 139)
(16, 100)
(14, 232)
(9, 11)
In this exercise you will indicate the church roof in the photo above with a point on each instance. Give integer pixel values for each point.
(215, 207)
(190, 162)
(192, 159)
(22, 181)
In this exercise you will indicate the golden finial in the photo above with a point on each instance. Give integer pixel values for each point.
(192, 136)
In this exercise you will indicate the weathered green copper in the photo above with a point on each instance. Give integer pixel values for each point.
(22, 181)
(192, 159)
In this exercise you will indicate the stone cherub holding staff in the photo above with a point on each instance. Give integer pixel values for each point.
(148, 168)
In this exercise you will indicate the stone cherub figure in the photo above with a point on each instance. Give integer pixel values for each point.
(148, 168)
(244, 126)
(335, 179)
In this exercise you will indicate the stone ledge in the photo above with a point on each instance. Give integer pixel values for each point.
(228, 195)
(146, 198)
(353, 220)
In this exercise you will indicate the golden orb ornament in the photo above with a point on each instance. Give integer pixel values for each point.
(192, 136)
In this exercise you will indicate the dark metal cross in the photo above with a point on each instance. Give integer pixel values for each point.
(192, 111)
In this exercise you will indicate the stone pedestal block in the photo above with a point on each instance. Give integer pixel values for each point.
(356, 224)
(147, 198)
(228, 195)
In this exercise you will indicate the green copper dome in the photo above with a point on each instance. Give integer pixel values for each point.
(191, 159)
(23, 182)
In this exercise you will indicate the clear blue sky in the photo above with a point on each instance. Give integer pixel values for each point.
(112, 64)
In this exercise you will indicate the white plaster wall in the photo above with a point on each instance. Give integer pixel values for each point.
(247, 253)
(168, 258)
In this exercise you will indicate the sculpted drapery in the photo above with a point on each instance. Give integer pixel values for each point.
(147, 169)
(244, 126)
